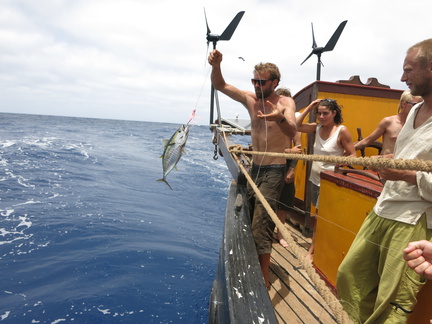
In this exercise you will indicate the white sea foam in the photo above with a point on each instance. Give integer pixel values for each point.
(6, 212)
(5, 315)
(7, 143)
(31, 201)
(58, 320)
(24, 222)
(104, 311)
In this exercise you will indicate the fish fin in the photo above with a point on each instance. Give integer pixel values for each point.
(165, 141)
(163, 180)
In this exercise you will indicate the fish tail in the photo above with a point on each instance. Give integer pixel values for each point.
(163, 180)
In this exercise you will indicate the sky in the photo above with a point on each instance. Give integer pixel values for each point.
(146, 60)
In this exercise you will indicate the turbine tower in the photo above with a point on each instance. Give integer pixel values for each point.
(214, 38)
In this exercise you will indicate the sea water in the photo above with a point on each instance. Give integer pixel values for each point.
(87, 234)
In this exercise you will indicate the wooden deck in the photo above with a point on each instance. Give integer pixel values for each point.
(292, 294)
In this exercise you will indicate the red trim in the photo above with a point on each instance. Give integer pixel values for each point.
(356, 182)
(310, 92)
(332, 287)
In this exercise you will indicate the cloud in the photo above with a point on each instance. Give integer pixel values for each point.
(146, 60)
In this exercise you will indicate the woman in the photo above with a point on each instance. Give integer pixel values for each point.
(331, 138)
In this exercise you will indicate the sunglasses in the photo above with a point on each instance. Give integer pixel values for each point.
(329, 100)
(261, 82)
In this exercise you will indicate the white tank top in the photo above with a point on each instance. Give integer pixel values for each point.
(324, 147)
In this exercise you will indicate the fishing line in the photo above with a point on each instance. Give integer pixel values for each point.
(265, 118)
(202, 89)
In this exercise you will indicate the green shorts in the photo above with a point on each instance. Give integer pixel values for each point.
(375, 285)
(269, 180)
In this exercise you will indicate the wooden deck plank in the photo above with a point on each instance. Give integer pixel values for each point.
(293, 295)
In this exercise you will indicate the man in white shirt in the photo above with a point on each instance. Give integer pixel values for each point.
(374, 282)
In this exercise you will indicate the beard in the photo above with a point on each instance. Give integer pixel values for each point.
(421, 84)
(417, 90)
(263, 94)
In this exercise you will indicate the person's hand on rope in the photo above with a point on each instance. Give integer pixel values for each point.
(398, 175)
(294, 150)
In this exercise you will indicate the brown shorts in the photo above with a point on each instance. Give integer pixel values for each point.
(269, 180)
(287, 196)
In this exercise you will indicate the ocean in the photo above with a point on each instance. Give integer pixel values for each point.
(87, 234)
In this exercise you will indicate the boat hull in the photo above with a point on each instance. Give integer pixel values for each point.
(239, 294)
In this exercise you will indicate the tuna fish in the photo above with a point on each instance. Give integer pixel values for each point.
(174, 148)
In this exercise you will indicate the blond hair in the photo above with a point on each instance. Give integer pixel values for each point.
(424, 55)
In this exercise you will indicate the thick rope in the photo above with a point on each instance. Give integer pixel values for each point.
(328, 296)
(377, 163)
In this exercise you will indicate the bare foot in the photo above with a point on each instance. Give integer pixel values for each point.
(311, 251)
(282, 240)
(309, 257)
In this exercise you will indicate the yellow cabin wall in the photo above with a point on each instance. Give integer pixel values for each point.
(341, 214)
(300, 171)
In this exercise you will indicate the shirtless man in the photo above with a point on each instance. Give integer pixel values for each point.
(272, 119)
(389, 127)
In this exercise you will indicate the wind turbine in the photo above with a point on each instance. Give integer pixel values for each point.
(214, 38)
(228, 32)
(329, 46)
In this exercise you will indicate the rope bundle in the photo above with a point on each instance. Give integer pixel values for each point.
(377, 163)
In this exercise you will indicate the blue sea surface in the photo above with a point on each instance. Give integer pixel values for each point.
(87, 234)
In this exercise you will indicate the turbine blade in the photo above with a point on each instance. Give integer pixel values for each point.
(208, 29)
(229, 31)
(333, 40)
(307, 58)
(313, 38)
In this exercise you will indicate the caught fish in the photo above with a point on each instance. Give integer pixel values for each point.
(174, 148)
